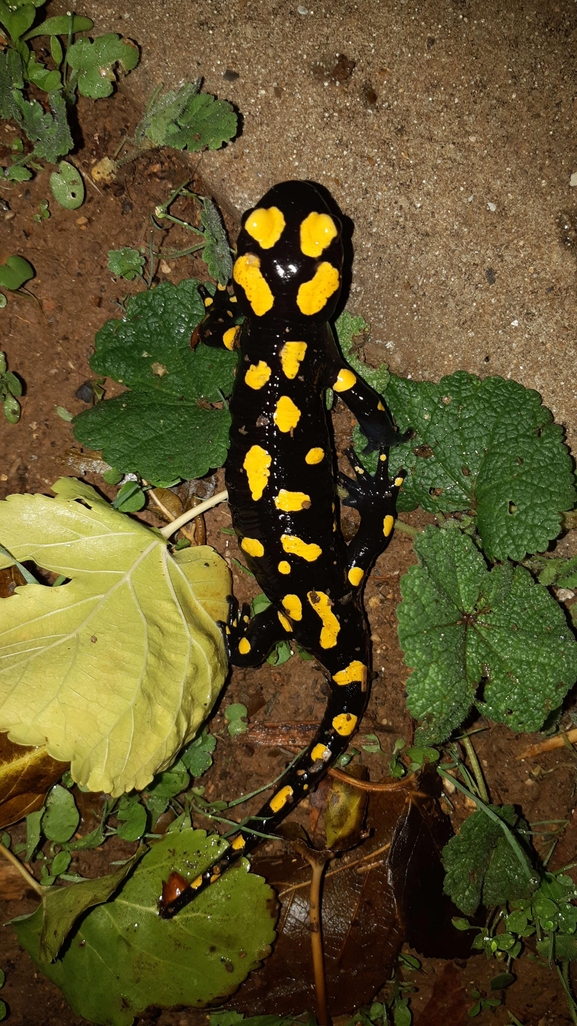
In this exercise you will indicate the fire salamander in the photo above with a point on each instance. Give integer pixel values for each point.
(281, 478)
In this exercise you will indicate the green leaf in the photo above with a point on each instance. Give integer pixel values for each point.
(168, 424)
(56, 51)
(189, 120)
(171, 782)
(60, 863)
(133, 818)
(61, 817)
(61, 25)
(17, 174)
(488, 446)
(41, 76)
(61, 907)
(94, 60)
(481, 866)
(216, 253)
(349, 328)
(198, 756)
(123, 958)
(18, 21)
(15, 272)
(132, 617)
(11, 79)
(33, 833)
(558, 948)
(130, 498)
(461, 625)
(48, 131)
(554, 571)
(67, 186)
(236, 716)
(125, 263)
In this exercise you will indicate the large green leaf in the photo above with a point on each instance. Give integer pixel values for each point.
(481, 866)
(462, 625)
(488, 446)
(173, 422)
(116, 669)
(123, 958)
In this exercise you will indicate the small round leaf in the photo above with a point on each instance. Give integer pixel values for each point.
(67, 186)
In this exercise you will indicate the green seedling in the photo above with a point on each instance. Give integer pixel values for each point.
(15, 272)
(10, 388)
(70, 67)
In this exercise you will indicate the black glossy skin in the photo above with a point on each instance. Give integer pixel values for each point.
(316, 576)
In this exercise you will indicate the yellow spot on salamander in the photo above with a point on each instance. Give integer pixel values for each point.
(317, 232)
(380, 405)
(265, 226)
(239, 843)
(292, 502)
(312, 295)
(297, 547)
(285, 623)
(383, 457)
(315, 455)
(286, 415)
(293, 606)
(244, 646)
(257, 375)
(388, 524)
(279, 800)
(355, 575)
(230, 337)
(284, 567)
(256, 463)
(253, 546)
(291, 356)
(196, 883)
(320, 753)
(355, 671)
(215, 875)
(322, 604)
(208, 301)
(399, 481)
(345, 723)
(247, 274)
(345, 380)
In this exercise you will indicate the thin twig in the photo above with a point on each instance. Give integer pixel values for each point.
(317, 861)
(22, 869)
(184, 518)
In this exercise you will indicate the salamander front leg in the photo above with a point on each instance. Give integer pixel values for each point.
(376, 500)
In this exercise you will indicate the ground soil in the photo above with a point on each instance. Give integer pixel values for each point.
(48, 335)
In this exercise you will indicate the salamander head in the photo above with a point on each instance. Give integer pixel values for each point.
(290, 256)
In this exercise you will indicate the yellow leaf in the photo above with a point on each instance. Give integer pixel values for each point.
(115, 670)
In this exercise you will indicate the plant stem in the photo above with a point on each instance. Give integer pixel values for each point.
(21, 869)
(184, 518)
(317, 861)
(476, 767)
(413, 532)
(563, 972)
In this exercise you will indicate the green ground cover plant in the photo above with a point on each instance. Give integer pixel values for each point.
(74, 66)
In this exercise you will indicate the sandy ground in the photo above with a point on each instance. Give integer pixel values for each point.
(444, 129)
